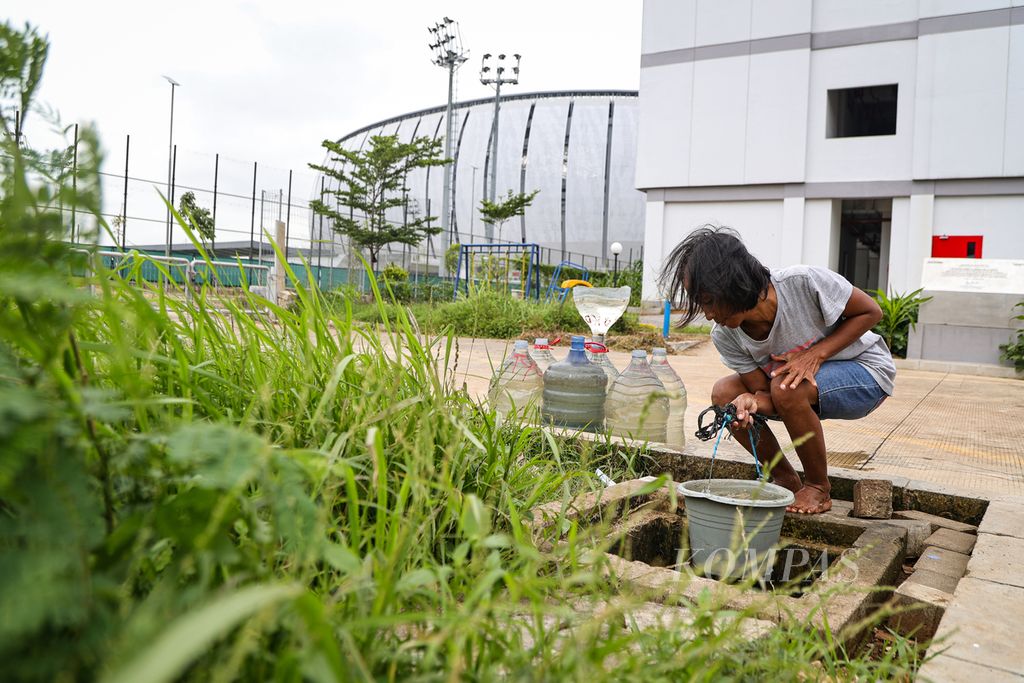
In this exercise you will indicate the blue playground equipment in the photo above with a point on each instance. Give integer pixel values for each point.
(532, 271)
(556, 278)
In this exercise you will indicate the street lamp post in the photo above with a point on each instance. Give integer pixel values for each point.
(448, 53)
(497, 80)
(616, 249)
(170, 161)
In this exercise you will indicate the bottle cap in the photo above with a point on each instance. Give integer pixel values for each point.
(639, 353)
(577, 343)
(659, 351)
(540, 342)
(521, 345)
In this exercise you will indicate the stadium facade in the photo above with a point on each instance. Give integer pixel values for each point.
(578, 148)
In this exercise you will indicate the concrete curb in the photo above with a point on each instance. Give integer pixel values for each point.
(977, 369)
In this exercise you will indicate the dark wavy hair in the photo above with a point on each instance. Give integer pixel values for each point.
(712, 265)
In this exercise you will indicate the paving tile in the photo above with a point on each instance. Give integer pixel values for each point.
(957, 431)
(942, 582)
(946, 669)
(935, 520)
(1004, 519)
(943, 561)
(922, 607)
(957, 541)
(999, 559)
(979, 625)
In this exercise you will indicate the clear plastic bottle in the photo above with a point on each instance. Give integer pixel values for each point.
(676, 390)
(574, 391)
(541, 353)
(637, 404)
(518, 385)
(598, 355)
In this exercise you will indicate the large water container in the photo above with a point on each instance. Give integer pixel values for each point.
(518, 384)
(541, 354)
(637, 404)
(676, 390)
(575, 390)
(598, 355)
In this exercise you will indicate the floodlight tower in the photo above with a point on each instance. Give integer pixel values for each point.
(448, 53)
(497, 80)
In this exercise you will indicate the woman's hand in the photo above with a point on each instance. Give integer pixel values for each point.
(797, 367)
(746, 406)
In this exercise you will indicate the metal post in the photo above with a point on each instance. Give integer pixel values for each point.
(494, 152)
(174, 173)
(74, 184)
(216, 173)
(447, 189)
(448, 53)
(263, 196)
(170, 166)
(124, 205)
(496, 81)
(252, 220)
(472, 206)
(615, 277)
(288, 217)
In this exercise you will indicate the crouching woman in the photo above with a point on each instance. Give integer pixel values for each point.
(799, 341)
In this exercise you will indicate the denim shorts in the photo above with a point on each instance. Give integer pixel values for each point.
(846, 390)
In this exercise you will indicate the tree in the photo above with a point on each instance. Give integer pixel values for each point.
(198, 218)
(371, 182)
(511, 206)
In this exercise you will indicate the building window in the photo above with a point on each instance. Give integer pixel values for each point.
(860, 112)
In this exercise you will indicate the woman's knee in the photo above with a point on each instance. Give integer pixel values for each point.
(726, 389)
(791, 398)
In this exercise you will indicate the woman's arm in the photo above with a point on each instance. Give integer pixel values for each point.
(860, 315)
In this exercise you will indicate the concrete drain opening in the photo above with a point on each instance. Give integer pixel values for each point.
(913, 559)
(660, 540)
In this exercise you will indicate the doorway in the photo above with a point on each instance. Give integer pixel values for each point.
(865, 226)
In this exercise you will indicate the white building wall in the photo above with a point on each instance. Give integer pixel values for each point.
(719, 121)
(880, 157)
(999, 219)
(961, 125)
(663, 141)
(761, 222)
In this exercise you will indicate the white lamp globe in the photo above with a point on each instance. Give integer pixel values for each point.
(616, 248)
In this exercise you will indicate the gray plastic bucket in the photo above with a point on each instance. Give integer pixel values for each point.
(733, 524)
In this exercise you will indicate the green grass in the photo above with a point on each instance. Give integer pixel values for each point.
(483, 314)
(228, 490)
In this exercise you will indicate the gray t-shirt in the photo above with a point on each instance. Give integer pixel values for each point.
(811, 302)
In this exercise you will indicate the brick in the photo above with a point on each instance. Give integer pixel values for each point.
(957, 541)
(921, 607)
(872, 499)
(936, 521)
(926, 577)
(943, 561)
(999, 559)
(980, 625)
(1004, 519)
(917, 533)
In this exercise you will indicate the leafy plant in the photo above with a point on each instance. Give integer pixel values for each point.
(899, 316)
(370, 183)
(512, 205)
(1014, 351)
(197, 217)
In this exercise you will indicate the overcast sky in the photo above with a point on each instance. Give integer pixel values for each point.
(268, 81)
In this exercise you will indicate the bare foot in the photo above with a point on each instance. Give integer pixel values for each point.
(812, 499)
(791, 482)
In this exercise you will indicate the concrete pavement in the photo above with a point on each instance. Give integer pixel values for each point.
(961, 431)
